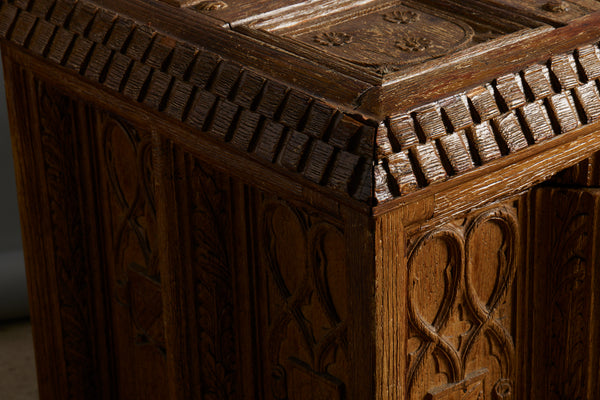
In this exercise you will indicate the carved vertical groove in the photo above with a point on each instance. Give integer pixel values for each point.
(58, 139)
(213, 280)
(569, 279)
(565, 257)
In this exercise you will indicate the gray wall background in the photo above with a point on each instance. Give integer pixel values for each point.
(13, 289)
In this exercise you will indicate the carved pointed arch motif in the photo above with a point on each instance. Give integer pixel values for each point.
(307, 334)
(460, 291)
(128, 157)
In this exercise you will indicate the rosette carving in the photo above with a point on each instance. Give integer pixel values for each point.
(333, 39)
(401, 17)
(210, 5)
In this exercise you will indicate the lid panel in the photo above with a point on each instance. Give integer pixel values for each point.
(380, 36)
(241, 10)
(555, 12)
(397, 35)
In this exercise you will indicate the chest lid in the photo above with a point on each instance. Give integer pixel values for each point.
(374, 39)
(375, 100)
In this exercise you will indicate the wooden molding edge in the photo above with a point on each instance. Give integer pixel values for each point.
(467, 131)
(272, 121)
(302, 134)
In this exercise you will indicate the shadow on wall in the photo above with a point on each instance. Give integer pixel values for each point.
(13, 289)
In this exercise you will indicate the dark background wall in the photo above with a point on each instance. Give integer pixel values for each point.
(13, 295)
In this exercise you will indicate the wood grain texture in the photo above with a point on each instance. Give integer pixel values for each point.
(390, 309)
(533, 111)
(565, 255)
(74, 361)
(279, 209)
(260, 115)
(530, 170)
(132, 253)
(460, 340)
(201, 89)
(302, 302)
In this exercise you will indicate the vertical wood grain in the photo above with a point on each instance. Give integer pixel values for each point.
(176, 278)
(43, 295)
(390, 307)
(63, 261)
(360, 250)
(565, 290)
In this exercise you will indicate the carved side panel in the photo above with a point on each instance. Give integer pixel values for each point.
(565, 288)
(125, 171)
(63, 186)
(303, 302)
(460, 296)
(386, 37)
(142, 277)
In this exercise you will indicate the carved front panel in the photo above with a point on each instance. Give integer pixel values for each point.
(302, 303)
(129, 215)
(141, 274)
(460, 297)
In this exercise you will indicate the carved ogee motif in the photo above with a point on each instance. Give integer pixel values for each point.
(131, 221)
(460, 339)
(307, 333)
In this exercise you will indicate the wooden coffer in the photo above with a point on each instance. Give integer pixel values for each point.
(309, 200)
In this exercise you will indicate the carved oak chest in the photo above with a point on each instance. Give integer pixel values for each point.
(309, 200)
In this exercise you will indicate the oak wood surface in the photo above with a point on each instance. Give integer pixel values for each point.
(308, 200)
